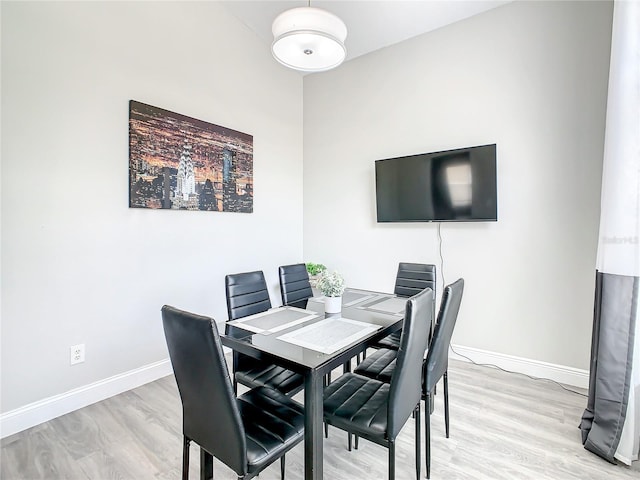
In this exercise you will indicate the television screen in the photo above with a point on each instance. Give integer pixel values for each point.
(450, 186)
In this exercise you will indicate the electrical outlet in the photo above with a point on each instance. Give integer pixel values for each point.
(76, 354)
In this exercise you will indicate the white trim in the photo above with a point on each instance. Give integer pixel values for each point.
(566, 375)
(42, 411)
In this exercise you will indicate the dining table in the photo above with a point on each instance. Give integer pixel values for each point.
(313, 343)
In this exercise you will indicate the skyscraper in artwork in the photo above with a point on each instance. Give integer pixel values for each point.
(186, 179)
(228, 179)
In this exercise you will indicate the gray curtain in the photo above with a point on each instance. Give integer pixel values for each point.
(611, 422)
(612, 349)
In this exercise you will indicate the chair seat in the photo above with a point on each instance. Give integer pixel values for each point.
(391, 342)
(357, 404)
(379, 365)
(272, 422)
(269, 375)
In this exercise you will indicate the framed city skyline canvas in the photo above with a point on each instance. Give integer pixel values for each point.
(181, 163)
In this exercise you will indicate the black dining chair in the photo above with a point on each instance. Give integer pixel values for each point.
(247, 433)
(376, 410)
(381, 364)
(411, 278)
(295, 287)
(437, 362)
(247, 294)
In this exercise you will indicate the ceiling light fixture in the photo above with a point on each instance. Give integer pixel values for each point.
(309, 39)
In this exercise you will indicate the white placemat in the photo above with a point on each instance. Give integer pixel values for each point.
(393, 305)
(352, 298)
(348, 298)
(329, 335)
(274, 320)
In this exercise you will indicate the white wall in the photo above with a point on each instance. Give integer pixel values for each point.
(79, 266)
(529, 76)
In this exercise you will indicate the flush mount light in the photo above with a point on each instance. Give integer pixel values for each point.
(309, 39)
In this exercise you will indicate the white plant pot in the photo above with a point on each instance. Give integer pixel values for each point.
(332, 304)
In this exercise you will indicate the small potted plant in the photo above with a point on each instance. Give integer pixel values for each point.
(331, 285)
(314, 270)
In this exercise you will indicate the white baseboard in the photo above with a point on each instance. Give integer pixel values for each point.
(559, 373)
(42, 411)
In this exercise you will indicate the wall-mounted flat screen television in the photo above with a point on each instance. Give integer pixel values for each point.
(449, 186)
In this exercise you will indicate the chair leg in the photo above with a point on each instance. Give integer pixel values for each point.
(346, 367)
(234, 369)
(354, 444)
(364, 356)
(446, 403)
(206, 465)
(185, 458)
(326, 430)
(418, 459)
(282, 467)
(427, 433)
(392, 460)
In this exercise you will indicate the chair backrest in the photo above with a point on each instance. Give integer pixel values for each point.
(413, 278)
(437, 360)
(209, 409)
(405, 387)
(294, 285)
(246, 294)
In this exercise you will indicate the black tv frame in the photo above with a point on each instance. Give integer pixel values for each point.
(415, 188)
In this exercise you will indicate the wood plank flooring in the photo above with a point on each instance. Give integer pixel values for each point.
(503, 426)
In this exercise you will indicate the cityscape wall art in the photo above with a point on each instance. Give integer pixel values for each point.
(182, 163)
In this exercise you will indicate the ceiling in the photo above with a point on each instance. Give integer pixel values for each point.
(371, 25)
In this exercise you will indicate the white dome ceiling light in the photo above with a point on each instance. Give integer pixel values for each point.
(309, 39)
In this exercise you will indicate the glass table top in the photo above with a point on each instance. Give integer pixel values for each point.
(310, 338)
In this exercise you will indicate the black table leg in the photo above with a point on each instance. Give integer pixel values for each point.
(313, 416)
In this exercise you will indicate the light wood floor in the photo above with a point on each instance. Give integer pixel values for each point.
(503, 426)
